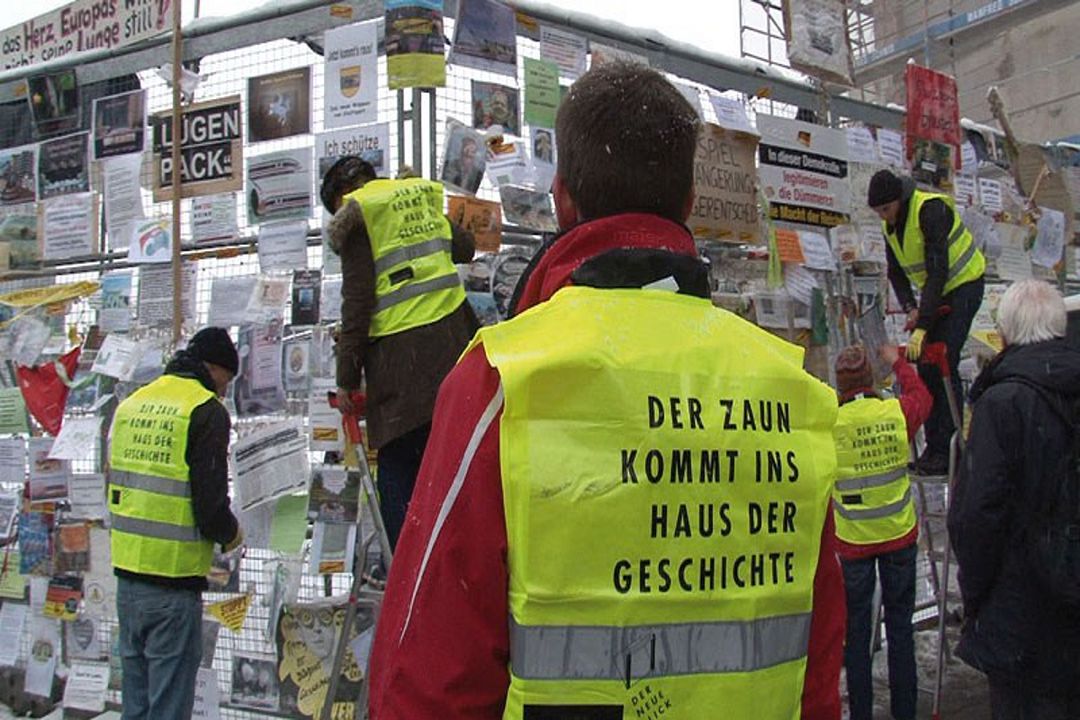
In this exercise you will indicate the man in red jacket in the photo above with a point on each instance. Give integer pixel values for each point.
(482, 544)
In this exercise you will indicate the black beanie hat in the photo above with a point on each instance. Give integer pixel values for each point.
(213, 345)
(884, 188)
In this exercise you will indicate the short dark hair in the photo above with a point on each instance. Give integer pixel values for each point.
(344, 176)
(626, 141)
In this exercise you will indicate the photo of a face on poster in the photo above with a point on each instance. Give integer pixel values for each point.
(463, 166)
(279, 104)
(543, 146)
(254, 682)
(495, 104)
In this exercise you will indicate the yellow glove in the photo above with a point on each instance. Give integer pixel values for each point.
(915, 344)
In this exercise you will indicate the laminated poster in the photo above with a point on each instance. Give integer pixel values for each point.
(542, 92)
(351, 90)
(495, 104)
(279, 104)
(254, 681)
(119, 124)
(64, 166)
(485, 37)
(567, 50)
(68, 226)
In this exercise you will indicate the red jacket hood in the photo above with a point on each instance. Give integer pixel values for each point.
(589, 239)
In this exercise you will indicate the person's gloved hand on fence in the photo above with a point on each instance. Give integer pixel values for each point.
(915, 344)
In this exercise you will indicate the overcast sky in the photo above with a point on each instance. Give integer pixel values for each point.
(710, 24)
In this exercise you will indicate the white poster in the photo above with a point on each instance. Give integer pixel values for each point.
(118, 357)
(731, 114)
(68, 226)
(269, 463)
(331, 299)
(12, 460)
(12, 620)
(990, 194)
(229, 297)
(86, 495)
(10, 505)
(325, 421)
(123, 198)
(804, 172)
(283, 246)
(816, 251)
(965, 190)
(1014, 262)
(44, 653)
(150, 241)
(86, 686)
(352, 75)
(213, 217)
(48, 477)
(78, 436)
(156, 293)
(566, 50)
(279, 186)
(207, 695)
(267, 299)
(861, 145)
(891, 147)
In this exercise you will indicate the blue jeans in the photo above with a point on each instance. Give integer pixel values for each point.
(897, 571)
(160, 649)
(399, 464)
(952, 329)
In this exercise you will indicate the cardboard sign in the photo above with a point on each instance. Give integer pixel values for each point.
(480, 217)
(210, 146)
(725, 186)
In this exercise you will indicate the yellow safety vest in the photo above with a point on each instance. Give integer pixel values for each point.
(872, 496)
(416, 282)
(966, 262)
(153, 521)
(666, 471)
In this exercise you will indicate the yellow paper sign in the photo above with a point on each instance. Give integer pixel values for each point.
(232, 612)
(48, 295)
(12, 582)
(990, 338)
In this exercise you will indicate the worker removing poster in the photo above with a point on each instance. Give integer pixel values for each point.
(804, 172)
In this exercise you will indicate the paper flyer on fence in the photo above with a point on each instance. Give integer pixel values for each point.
(86, 685)
(270, 463)
(77, 439)
(83, 636)
(325, 421)
(156, 293)
(282, 245)
(123, 198)
(48, 477)
(207, 696)
(731, 114)
(229, 298)
(86, 494)
(150, 241)
(12, 621)
(12, 458)
(213, 217)
(68, 226)
(541, 92)
(351, 89)
(118, 357)
(44, 653)
(566, 50)
(258, 389)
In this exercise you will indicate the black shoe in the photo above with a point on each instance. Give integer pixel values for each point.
(932, 464)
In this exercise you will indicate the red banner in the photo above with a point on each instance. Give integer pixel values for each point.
(933, 111)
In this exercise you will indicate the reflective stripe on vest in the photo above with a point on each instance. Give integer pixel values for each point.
(966, 262)
(149, 497)
(416, 282)
(872, 494)
(547, 652)
(641, 540)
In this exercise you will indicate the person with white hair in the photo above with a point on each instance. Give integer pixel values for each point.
(1019, 455)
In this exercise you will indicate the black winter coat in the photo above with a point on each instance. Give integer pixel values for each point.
(1018, 441)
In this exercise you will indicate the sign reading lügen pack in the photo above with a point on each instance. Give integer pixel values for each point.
(81, 26)
(210, 148)
(804, 172)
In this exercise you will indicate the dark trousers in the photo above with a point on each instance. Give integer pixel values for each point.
(1011, 700)
(897, 571)
(399, 463)
(953, 330)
